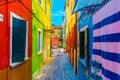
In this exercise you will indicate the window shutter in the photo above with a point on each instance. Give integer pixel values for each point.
(18, 40)
(82, 48)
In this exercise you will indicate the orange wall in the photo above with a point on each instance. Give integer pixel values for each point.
(55, 41)
(18, 8)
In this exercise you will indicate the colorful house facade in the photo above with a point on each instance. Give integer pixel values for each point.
(98, 41)
(64, 37)
(57, 39)
(41, 34)
(84, 44)
(106, 29)
(71, 33)
(15, 40)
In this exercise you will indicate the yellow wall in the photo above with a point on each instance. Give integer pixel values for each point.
(47, 22)
(70, 18)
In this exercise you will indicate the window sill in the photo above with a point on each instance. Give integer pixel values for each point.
(26, 58)
(40, 52)
(83, 62)
(14, 65)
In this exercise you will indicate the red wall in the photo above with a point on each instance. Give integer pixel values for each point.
(4, 58)
(16, 7)
(55, 41)
(19, 9)
(72, 45)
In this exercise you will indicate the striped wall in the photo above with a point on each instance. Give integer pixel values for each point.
(105, 63)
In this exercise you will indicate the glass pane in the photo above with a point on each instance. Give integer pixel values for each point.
(18, 40)
(40, 42)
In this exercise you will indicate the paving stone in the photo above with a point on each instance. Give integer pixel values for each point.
(58, 68)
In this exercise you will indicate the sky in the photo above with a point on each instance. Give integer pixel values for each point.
(58, 12)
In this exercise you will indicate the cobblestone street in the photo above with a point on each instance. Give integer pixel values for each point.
(57, 68)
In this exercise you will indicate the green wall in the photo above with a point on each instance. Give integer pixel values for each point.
(37, 59)
(40, 21)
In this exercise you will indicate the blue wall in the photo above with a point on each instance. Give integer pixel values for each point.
(87, 20)
(81, 69)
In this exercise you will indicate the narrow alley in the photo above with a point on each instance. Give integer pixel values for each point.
(57, 68)
(59, 39)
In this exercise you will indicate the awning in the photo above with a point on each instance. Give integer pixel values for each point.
(81, 4)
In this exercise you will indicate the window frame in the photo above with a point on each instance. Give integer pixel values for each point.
(82, 45)
(85, 58)
(40, 2)
(46, 7)
(12, 14)
(40, 36)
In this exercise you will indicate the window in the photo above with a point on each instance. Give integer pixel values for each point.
(40, 1)
(1, 17)
(18, 40)
(46, 7)
(84, 46)
(39, 41)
